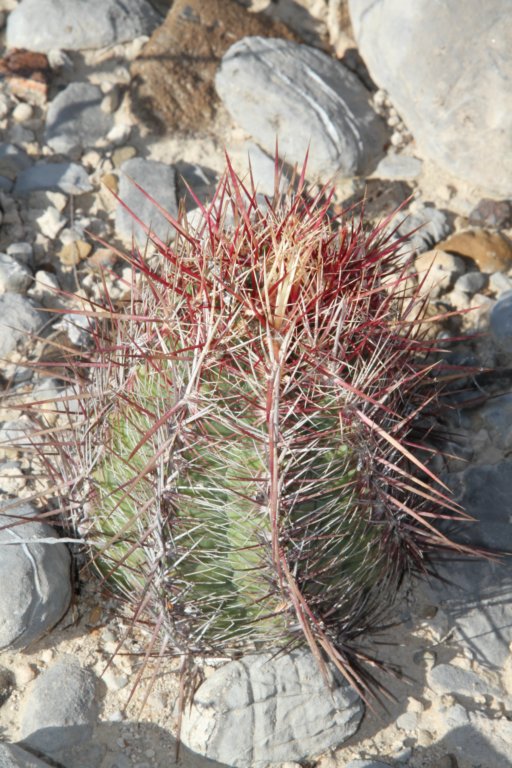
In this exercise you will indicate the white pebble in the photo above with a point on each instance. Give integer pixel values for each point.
(22, 112)
(51, 222)
(24, 674)
(114, 680)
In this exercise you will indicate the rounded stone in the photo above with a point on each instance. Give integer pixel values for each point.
(490, 251)
(44, 25)
(35, 578)
(61, 709)
(276, 89)
(265, 709)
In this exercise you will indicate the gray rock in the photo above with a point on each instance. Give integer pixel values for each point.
(43, 25)
(446, 678)
(75, 119)
(263, 710)
(500, 283)
(13, 160)
(159, 181)
(275, 88)
(6, 185)
(495, 416)
(22, 252)
(455, 98)
(471, 283)
(35, 578)
(69, 178)
(61, 709)
(12, 756)
(14, 277)
(477, 595)
(485, 741)
(500, 323)
(18, 319)
(398, 167)
(430, 224)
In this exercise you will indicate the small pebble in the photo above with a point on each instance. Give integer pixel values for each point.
(114, 680)
(24, 673)
(51, 222)
(73, 253)
(22, 112)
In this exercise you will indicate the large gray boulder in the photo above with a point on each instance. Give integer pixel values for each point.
(447, 68)
(42, 25)
(276, 89)
(265, 709)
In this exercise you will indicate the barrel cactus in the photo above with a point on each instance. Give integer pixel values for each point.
(249, 475)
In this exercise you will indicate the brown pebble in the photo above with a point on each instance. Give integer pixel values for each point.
(121, 154)
(490, 251)
(110, 181)
(73, 253)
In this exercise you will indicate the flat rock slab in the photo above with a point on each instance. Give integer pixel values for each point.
(278, 89)
(454, 97)
(61, 709)
(43, 25)
(69, 178)
(159, 181)
(35, 579)
(75, 119)
(173, 78)
(263, 710)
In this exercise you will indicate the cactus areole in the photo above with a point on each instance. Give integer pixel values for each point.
(251, 419)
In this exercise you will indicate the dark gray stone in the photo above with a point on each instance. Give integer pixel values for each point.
(454, 97)
(35, 578)
(471, 283)
(500, 322)
(43, 25)
(69, 178)
(75, 119)
(18, 319)
(266, 709)
(12, 756)
(275, 88)
(61, 709)
(157, 180)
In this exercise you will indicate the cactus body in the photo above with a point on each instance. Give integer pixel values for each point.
(249, 432)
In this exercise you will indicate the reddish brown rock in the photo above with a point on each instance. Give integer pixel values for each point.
(173, 78)
(490, 251)
(27, 74)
